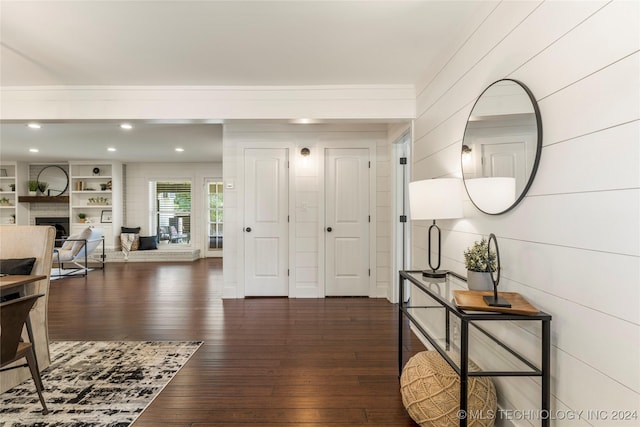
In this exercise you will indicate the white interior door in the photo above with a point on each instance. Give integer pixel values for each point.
(505, 159)
(347, 219)
(266, 234)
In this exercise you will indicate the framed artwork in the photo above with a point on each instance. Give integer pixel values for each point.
(105, 217)
(3, 172)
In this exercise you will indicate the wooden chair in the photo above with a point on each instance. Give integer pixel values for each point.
(13, 316)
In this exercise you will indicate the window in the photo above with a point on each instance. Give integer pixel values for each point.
(172, 216)
(215, 215)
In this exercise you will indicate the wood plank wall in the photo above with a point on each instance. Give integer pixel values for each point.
(572, 246)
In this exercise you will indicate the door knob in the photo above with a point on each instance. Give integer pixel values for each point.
(248, 229)
(329, 229)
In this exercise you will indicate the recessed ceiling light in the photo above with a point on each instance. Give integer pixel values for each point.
(111, 149)
(33, 150)
(34, 125)
(179, 150)
(305, 121)
(126, 126)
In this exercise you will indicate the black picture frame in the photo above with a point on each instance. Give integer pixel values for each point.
(106, 217)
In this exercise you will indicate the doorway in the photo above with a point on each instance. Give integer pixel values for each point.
(214, 194)
(266, 228)
(347, 222)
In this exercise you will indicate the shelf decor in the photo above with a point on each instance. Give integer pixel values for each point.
(33, 187)
(97, 201)
(106, 217)
(495, 300)
(480, 262)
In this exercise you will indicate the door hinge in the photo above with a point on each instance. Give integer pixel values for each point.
(369, 272)
(369, 218)
(287, 272)
(403, 160)
(287, 218)
(369, 165)
(403, 218)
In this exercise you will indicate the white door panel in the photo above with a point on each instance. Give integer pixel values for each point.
(347, 221)
(505, 159)
(266, 238)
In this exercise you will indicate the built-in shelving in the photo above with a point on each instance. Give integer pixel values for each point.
(95, 190)
(8, 195)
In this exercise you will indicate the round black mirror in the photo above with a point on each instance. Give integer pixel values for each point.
(55, 178)
(501, 146)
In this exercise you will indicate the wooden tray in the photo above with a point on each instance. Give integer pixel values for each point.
(473, 300)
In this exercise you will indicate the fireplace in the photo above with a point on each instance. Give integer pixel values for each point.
(60, 223)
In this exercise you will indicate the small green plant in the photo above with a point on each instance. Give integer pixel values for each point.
(33, 185)
(82, 215)
(13, 187)
(42, 186)
(478, 257)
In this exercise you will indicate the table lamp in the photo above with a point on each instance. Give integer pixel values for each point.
(435, 199)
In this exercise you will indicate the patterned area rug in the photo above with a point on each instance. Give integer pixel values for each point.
(96, 383)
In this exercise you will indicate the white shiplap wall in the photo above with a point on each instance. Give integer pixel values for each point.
(306, 192)
(572, 247)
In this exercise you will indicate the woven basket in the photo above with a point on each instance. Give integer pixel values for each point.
(430, 391)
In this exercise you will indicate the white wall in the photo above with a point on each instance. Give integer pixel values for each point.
(572, 246)
(137, 209)
(306, 192)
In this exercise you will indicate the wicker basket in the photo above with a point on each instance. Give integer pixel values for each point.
(430, 391)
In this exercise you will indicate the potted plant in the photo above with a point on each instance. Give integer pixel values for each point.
(103, 187)
(82, 216)
(33, 187)
(13, 187)
(480, 263)
(12, 219)
(42, 187)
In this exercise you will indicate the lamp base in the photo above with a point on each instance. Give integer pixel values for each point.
(437, 274)
(496, 302)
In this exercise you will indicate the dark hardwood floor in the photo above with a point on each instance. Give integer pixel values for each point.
(268, 361)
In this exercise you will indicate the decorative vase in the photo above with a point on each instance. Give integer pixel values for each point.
(32, 193)
(479, 281)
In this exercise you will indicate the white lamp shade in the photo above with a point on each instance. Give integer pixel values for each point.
(492, 194)
(436, 198)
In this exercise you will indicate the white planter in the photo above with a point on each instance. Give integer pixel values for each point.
(32, 193)
(479, 281)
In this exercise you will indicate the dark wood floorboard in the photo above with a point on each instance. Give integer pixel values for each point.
(271, 362)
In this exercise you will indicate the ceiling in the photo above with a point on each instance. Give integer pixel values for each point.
(219, 43)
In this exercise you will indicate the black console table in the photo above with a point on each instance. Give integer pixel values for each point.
(437, 306)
